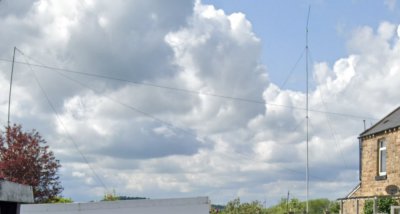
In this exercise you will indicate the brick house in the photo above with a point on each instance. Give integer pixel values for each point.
(379, 164)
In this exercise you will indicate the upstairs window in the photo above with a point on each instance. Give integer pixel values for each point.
(382, 157)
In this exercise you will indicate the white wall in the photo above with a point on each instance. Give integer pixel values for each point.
(200, 205)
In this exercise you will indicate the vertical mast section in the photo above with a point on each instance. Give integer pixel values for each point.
(307, 116)
(287, 202)
(9, 95)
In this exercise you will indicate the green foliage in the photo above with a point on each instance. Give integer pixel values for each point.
(334, 207)
(114, 197)
(110, 197)
(283, 207)
(316, 206)
(383, 205)
(236, 207)
(215, 208)
(296, 205)
(369, 207)
(60, 200)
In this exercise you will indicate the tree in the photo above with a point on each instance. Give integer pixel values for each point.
(60, 200)
(110, 197)
(235, 207)
(25, 158)
(294, 205)
(334, 207)
(316, 206)
(319, 205)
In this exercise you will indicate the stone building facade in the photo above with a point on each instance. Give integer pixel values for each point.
(379, 164)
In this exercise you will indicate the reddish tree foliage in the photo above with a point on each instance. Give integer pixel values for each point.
(25, 159)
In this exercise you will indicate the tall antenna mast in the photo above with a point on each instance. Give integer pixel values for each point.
(9, 95)
(307, 116)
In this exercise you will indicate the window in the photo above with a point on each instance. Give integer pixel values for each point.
(382, 157)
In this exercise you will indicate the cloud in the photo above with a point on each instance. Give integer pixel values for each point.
(145, 42)
(219, 54)
(349, 86)
(187, 137)
(398, 31)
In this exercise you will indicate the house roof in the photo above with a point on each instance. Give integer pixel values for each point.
(392, 120)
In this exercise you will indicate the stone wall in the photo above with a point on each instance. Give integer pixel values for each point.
(351, 206)
(370, 185)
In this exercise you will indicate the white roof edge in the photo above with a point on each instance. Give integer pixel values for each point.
(354, 190)
(143, 203)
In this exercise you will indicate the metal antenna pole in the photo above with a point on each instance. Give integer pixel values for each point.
(365, 127)
(287, 202)
(9, 95)
(307, 116)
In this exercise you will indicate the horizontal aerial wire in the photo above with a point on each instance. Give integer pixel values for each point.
(171, 125)
(192, 91)
(181, 90)
(62, 124)
(132, 108)
(167, 123)
(153, 117)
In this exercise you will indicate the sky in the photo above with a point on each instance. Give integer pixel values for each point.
(180, 98)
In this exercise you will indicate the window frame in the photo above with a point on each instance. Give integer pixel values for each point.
(382, 148)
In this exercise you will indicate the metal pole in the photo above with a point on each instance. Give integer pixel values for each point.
(9, 95)
(357, 207)
(307, 119)
(365, 127)
(287, 203)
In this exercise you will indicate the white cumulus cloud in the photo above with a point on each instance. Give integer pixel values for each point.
(175, 101)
